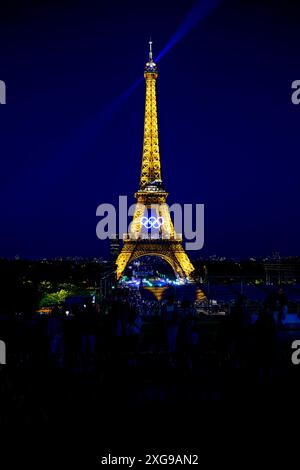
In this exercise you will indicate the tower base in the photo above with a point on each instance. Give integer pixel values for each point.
(171, 251)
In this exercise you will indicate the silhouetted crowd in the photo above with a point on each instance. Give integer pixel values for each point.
(117, 352)
(84, 336)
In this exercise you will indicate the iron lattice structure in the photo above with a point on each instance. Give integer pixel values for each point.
(151, 194)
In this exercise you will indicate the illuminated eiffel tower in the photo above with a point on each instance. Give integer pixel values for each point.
(152, 196)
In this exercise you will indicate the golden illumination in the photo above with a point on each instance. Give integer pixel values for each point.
(151, 159)
(152, 194)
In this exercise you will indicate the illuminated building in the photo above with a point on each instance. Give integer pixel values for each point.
(152, 196)
(114, 247)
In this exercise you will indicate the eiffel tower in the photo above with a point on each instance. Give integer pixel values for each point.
(166, 244)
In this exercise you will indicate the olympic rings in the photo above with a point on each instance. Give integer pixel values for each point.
(152, 222)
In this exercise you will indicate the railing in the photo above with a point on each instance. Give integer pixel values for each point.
(149, 236)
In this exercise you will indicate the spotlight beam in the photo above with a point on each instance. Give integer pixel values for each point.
(197, 13)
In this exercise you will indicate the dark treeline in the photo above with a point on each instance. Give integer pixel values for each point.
(23, 282)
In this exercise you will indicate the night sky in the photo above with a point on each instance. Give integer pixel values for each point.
(71, 133)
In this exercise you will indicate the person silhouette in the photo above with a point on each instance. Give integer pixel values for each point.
(171, 322)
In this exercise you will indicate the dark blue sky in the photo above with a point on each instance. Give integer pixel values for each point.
(229, 134)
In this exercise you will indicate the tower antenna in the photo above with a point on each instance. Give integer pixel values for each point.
(150, 50)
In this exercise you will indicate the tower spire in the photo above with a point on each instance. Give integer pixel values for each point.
(151, 170)
(150, 50)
